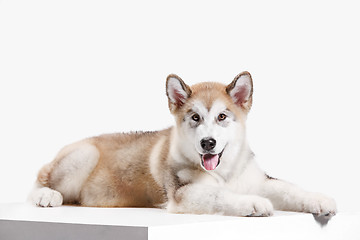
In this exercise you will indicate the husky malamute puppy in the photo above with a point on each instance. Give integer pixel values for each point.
(202, 165)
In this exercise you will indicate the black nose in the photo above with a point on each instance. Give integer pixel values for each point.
(208, 144)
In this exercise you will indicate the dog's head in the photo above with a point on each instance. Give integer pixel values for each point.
(210, 117)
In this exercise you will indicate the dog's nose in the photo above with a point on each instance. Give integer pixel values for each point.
(208, 143)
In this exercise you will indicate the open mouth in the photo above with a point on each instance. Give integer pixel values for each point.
(210, 161)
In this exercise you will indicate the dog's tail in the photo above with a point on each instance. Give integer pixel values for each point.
(44, 175)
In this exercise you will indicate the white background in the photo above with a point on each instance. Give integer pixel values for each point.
(74, 69)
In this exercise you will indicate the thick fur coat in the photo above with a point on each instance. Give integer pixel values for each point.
(202, 165)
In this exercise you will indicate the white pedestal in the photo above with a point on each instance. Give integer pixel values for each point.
(24, 221)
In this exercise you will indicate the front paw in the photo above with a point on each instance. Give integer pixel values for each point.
(319, 204)
(254, 206)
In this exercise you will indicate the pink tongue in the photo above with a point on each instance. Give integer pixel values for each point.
(210, 161)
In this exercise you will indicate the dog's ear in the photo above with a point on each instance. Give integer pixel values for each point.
(241, 89)
(177, 92)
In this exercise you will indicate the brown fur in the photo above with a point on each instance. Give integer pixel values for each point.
(207, 93)
(118, 180)
(44, 175)
(128, 181)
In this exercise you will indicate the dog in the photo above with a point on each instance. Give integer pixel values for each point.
(202, 165)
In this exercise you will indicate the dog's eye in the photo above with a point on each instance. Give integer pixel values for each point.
(195, 117)
(221, 117)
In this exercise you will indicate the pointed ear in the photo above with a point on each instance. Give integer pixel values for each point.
(177, 91)
(241, 89)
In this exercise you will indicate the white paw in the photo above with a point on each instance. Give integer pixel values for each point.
(319, 204)
(255, 206)
(46, 197)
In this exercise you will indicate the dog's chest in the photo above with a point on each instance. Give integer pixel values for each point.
(238, 184)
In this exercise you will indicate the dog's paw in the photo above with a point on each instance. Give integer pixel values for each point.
(319, 205)
(255, 206)
(46, 197)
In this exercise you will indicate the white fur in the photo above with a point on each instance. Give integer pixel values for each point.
(45, 197)
(154, 160)
(230, 138)
(237, 186)
(219, 200)
(211, 129)
(77, 166)
(286, 196)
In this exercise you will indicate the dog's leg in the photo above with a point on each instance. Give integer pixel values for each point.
(62, 179)
(288, 197)
(202, 199)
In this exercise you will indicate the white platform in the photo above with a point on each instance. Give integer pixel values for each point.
(24, 221)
